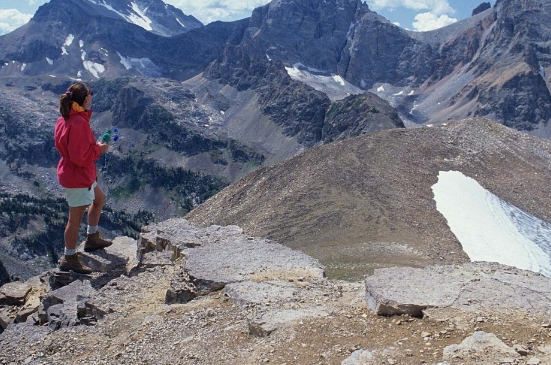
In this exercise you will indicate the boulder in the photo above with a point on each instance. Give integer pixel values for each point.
(469, 287)
(60, 308)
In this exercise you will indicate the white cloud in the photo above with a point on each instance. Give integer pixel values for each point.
(432, 14)
(11, 19)
(435, 6)
(429, 21)
(210, 10)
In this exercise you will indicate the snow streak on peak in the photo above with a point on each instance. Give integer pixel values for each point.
(334, 86)
(491, 229)
(136, 15)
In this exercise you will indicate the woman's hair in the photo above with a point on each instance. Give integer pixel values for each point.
(76, 92)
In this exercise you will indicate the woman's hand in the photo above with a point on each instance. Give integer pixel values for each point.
(103, 147)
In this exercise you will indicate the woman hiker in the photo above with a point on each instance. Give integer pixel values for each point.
(76, 172)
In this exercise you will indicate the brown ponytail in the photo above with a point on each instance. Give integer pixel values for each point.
(77, 93)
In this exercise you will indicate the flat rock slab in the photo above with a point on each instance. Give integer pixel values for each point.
(225, 255)
(470, 287)
(14, 293)
(250, 292)
(264, 324)
(113, 258)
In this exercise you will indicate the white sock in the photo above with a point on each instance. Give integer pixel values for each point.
(69, 252)
(92, 229)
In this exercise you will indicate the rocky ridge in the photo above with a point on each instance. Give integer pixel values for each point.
(214, 295)
(366, 202)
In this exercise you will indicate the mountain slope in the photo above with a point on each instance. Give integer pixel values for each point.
(367, 202)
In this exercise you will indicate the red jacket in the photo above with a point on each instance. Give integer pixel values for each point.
(75, 140)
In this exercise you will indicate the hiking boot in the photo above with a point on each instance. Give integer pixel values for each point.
(73, 263)
(94, 241)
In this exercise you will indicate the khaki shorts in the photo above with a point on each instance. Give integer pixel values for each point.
(79, 197)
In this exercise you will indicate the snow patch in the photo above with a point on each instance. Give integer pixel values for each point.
(350, 30)
(94, 68)
(139, 17)
(182, 24)
(381, 89)
(125, 61)
(49, 61)
(23, 66)
(67, 43)
(143, 65)
(491, 229)
(81, 43)
(334, 86)
(69, 40)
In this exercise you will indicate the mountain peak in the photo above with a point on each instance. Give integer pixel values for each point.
(152, 15)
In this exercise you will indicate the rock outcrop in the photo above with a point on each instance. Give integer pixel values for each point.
(478, 286)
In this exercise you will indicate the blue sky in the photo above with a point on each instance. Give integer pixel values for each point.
(410, 14)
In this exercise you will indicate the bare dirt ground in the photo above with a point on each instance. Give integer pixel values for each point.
(215, 330)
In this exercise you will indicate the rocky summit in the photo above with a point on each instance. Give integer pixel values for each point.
(214, 295)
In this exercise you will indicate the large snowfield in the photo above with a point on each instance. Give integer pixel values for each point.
(491, 229)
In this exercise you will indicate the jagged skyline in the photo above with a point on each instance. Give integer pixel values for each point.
(419, 15)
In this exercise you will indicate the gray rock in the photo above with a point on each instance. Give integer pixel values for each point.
(24, 314)
(4, 320)
(520, 349)
(107, 264)
(237, 258)
(482, 344)
(360, 357)
(250, 292)
(185, 287)
(469, 287)
(266, 323)
(60, 308)
(56, 279)
(113, 259)
(168, 235)
(14, 293)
